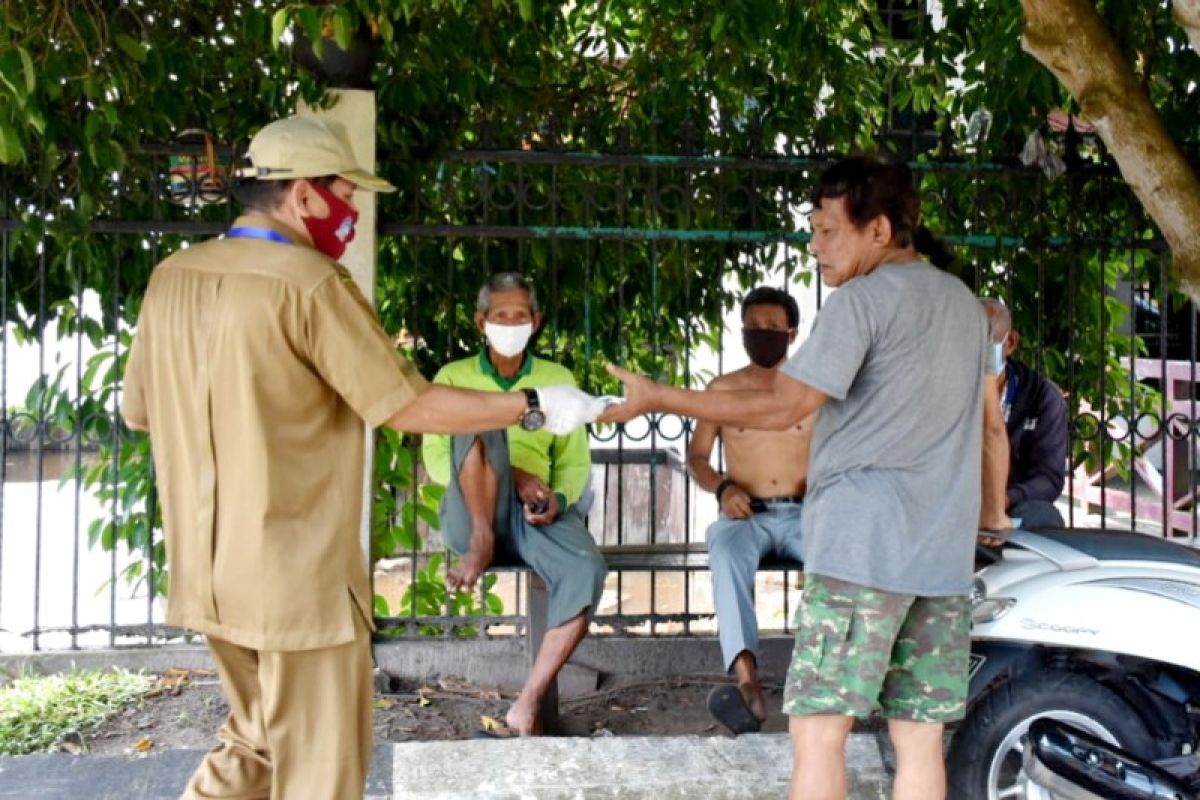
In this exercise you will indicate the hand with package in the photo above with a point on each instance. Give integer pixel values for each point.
(566, 408)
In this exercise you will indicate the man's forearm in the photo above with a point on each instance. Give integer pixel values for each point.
(703, 473)
(995, 471)
(445, 409)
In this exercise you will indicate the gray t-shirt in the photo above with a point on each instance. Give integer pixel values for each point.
(894, 483)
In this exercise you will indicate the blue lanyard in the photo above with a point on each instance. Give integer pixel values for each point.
(266, 234)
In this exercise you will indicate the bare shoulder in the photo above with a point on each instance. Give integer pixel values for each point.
(730, 381)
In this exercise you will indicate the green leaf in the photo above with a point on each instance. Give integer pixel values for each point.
(279, 22)
(407, 538)
(12, 85)
(380, 606)
(110, 156)
(494, 605)
(342, 30)
(11, 150)
(526, 9)
(428, 516)
(718, 26)
(30, 72)
(311, 23)
(131, 47)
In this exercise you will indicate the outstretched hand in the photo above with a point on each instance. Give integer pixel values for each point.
(640, 393)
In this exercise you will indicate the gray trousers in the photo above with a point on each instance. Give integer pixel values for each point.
(563, 553)
(735, 549)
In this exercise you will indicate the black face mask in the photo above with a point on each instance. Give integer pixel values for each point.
(766, 348)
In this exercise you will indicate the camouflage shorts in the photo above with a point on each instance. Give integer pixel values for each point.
(859, 649)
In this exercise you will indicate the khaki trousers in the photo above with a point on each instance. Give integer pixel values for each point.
(299, 724)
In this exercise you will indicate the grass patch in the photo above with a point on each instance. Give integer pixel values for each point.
(37, 712)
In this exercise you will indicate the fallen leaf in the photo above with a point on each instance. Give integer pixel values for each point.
(489, 723)
(489, 694)
(424, 701)
(143, 745)
(384, 703)
(617, 708)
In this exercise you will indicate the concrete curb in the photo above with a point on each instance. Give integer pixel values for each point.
(752, 767)
(755, 767)
(494, 662)
(157, 776)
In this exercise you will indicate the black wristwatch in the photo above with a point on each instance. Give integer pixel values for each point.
(534, 418)
(722, 486)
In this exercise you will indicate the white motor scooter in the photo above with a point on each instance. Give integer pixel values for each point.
(1096, 629)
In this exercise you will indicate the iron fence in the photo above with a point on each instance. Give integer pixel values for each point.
(622, 246)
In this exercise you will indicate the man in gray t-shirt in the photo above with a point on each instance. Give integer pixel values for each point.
(894, 481)
(896, 367)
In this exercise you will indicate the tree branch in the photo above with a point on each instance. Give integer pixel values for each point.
(1187, 14)
(1069, 39)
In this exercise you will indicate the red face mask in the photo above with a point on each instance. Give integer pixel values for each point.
(331, 233)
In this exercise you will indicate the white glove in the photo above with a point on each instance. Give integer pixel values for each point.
(566, 408)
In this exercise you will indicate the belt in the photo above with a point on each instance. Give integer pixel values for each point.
(786, 500)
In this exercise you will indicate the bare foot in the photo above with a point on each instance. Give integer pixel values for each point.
(755, 699)
(523, 717)
(466, 572)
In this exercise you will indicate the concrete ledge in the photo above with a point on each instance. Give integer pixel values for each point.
(753, 767)
(655, 768)
(493, 662)
(151, 659)
(158, 776)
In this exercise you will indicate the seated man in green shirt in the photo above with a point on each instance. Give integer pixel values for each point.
(516, 489)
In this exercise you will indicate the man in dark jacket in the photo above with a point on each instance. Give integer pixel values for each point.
(1035, 414)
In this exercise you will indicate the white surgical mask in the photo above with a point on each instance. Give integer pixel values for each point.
(508, 340)
(997, 357)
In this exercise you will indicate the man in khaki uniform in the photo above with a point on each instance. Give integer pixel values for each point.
(255, 365)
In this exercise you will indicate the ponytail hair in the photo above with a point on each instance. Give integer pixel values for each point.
(935, 249)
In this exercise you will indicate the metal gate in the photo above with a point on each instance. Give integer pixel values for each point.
(638, 257)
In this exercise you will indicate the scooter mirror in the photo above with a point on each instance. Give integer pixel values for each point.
(1075, 765)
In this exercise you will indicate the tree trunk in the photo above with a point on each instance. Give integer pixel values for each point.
(1069, 38)
(1187, 14)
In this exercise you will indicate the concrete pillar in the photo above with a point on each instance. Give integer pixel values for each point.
(354, 109)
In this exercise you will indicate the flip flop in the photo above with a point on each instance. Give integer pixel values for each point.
(502, 732)
(728, 707)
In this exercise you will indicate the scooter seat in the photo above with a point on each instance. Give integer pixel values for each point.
(1114, 545)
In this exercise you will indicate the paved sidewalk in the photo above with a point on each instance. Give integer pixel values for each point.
(657, 768)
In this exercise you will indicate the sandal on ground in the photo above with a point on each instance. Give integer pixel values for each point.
(499, 732)
(728, 706)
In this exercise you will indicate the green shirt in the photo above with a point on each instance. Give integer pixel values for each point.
(563, 462)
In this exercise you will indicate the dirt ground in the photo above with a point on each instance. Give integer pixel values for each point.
(188, 707)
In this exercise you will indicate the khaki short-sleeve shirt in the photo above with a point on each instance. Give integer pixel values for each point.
(254, 366)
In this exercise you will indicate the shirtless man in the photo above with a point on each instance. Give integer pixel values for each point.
(760, 496)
